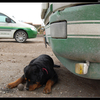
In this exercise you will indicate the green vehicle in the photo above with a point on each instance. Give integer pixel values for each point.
(12, 28)
(73, 32)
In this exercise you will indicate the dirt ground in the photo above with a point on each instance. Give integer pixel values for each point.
(15, 56)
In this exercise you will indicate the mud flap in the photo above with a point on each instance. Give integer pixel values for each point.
(45, 42)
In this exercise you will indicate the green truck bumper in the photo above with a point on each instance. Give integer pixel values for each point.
(74, 50)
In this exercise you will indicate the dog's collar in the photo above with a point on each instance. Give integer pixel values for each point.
(45, 70)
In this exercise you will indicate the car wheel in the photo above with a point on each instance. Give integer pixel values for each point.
(20, 36)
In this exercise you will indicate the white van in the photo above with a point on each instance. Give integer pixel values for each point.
(11, 28)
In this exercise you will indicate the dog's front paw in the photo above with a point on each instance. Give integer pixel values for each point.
(47, 90)
(11, 85)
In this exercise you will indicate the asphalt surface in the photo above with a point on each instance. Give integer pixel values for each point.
(15, 56)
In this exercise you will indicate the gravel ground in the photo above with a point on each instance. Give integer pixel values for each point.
(15, 56)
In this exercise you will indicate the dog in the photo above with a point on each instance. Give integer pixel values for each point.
(40, 71)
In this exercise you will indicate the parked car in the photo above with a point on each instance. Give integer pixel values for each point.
(12, 28)
(73, 32)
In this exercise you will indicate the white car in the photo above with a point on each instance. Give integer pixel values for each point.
(11, 28)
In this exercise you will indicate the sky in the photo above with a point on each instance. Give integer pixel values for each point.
(28, 12)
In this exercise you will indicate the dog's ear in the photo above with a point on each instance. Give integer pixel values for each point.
(41, 72)
(36, 69)
(25, 69)
(40, 75)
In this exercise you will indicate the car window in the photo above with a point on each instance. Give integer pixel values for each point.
(2, 18)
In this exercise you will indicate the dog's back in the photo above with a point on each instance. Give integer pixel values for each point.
(43, 60)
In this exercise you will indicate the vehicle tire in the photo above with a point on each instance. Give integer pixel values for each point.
(20, 36)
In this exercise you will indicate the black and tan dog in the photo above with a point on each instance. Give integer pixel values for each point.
(39, 71)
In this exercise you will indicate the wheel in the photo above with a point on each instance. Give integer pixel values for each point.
(20, 36)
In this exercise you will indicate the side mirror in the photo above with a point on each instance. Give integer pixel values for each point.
(8, 20)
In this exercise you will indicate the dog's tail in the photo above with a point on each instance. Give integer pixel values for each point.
(57, 66)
